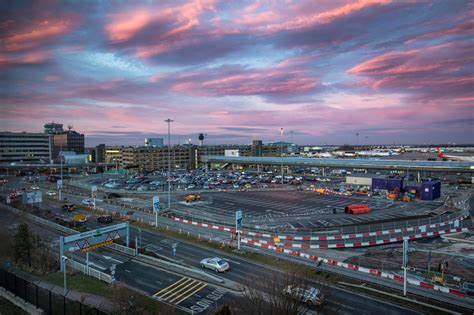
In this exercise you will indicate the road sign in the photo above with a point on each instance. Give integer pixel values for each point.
(156, 203)
(238, 219)
(32, 197)
(405, 253)
(94, 191)
(112, 271)
(59, 183)
(87, 240)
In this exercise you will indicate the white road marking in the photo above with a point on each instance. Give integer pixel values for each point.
(113, 259)
(233, 261)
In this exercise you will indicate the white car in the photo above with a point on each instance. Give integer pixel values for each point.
(88, 202)
(217, 264)
(35, 187)
(51, 193)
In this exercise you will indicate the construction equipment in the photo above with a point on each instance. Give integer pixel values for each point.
(80, 217)
(440, 279)
(192, 198)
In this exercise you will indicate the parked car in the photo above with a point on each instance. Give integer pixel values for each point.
(51, 193)
(106, 218)
(217, 264)
(69, 207)
(34, 187)
(311, 296)
(468, 287)
(88, 202)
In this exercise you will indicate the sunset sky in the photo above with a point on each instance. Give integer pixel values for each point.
(394, 72)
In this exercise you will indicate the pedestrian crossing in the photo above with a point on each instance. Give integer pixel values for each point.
(180, 290)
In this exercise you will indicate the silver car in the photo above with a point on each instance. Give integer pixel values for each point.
(217, 264)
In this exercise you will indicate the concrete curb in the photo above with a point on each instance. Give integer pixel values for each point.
(18, 301)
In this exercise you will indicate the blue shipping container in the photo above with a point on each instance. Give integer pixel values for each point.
(395, 184)
(430, 190)
(379, 183)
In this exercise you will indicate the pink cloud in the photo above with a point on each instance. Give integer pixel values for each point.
(24, 58)
(285, 77)
(441, 71)
(125, 25)
(301, 15)
(51, 78)
(38, 32)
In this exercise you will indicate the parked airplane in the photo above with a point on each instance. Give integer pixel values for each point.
(376, 153)
(454, 157)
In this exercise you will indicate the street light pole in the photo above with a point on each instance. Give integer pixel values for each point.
(169, 121)
(61, 162)
(64, 261)
(281, 153)
(357, 135)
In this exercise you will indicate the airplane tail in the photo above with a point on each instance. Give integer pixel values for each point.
(440, 153)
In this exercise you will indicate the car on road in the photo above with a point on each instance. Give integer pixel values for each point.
(34, 187)
(311, 296)
(13, 194)
(217, 264)
(51, 193)
(106, 218)
(69, 207)
(88, 202)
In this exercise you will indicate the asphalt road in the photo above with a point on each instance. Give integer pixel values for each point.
(169, 286)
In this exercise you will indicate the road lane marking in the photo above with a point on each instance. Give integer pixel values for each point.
(182, 280)
(113, 259)
(174, 291)
(232, 261)
(203, 285)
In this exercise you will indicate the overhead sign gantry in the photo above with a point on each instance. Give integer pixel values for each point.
(93, 239)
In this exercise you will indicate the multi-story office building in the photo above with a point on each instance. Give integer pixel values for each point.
(99, 153)
(25, 147)
(68, 141)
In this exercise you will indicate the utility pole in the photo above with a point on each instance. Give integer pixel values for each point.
(169, 121)
(357, 136)
(281, 153)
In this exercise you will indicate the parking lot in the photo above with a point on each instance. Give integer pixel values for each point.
(304, 209)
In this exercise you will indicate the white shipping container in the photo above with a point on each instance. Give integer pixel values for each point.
(359, 180)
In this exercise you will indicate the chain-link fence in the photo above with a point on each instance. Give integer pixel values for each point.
(42, 298)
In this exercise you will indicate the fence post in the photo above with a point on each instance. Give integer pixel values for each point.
(36, 295)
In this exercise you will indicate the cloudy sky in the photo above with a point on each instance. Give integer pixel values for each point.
(393, 72)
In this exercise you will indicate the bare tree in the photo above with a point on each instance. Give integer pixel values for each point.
(266, 293)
